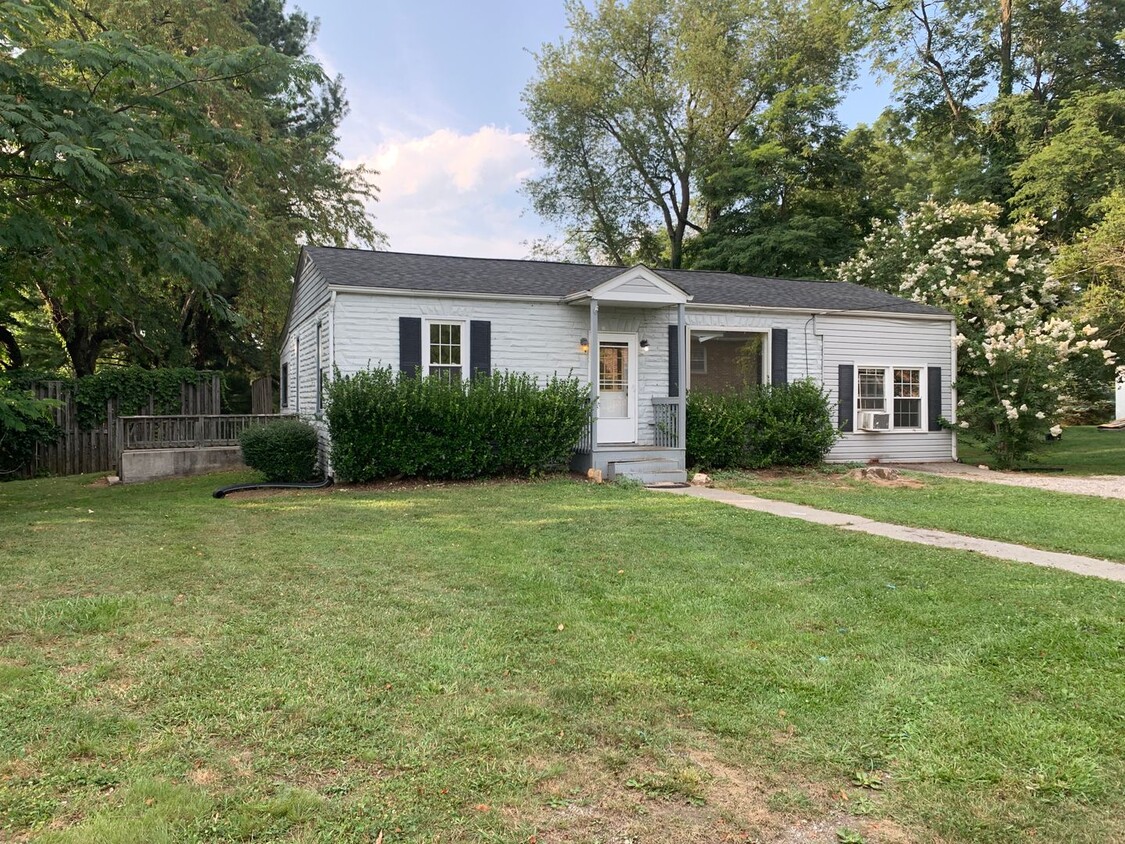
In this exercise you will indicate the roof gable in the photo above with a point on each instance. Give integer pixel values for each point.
(637, 285)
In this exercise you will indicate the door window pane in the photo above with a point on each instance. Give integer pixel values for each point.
(613, 381)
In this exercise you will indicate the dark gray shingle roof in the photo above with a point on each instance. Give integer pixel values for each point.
(440, 273)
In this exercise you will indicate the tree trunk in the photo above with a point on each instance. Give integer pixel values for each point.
(8, 341)
(81, 339)
(1006, 71)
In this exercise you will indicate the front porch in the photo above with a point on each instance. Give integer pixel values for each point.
(662, 461)
(634, 340)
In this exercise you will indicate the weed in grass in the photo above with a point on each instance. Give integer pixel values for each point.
(867, 779)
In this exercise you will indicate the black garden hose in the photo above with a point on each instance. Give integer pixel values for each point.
(222, 492)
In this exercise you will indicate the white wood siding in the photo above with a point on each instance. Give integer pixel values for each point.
(310, 294)
(541, 339)
(863, 340)
(538, 338)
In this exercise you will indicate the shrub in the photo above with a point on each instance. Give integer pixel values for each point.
(717, 426)
(384, 425)
(784, 425)
(287, 451)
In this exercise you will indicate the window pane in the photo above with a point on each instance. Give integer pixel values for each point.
(908, 384)
(872, 389)
(908, 413)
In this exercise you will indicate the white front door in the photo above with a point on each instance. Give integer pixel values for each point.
(617, 388)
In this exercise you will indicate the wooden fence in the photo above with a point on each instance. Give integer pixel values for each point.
(262, 399)
(95, 450)
(184, 431)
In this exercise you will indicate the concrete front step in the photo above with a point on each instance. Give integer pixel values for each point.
(651, 470)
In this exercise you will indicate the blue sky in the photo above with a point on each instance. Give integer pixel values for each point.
(435, 88)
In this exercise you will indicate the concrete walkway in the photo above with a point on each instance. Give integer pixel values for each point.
(1089, 566)
(1102, 486)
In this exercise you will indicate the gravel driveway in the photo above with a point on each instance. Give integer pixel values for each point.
(1103, 486)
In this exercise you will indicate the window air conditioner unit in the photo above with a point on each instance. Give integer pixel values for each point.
(869, 420)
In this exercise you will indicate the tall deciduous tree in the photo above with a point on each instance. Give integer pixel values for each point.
(190, 158)
(646, 95)
(793, 196)
(95, 135)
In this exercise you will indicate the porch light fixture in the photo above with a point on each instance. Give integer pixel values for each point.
(584, 345)
(644, 346)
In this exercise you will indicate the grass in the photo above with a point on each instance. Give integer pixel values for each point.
(551, 661)
(1054, 521)
(1083, 450)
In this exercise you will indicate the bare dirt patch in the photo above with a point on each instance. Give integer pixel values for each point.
(693, 796)
(202, 776)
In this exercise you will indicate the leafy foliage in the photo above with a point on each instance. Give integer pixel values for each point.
(25, 422)
(287, 451)
(385, 425)
(645, 97)
(130, 386)
(159, 187)
(1013, 339)
(770, 425)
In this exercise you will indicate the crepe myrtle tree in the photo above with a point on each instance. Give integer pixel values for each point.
(1014, 342)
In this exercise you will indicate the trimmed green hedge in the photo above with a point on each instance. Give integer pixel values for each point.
(386, 425)
(785, 425)
(287, 451)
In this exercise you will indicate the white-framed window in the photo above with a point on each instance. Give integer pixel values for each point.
(285, 384)
(907, 398)
(297, 375)
(897, 390)
(445, 352)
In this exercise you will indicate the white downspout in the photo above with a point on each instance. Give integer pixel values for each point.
(953, 389)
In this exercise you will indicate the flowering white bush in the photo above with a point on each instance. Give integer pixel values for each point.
(1012, 343)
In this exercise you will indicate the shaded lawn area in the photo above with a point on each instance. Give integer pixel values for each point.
(1054, 521)
(1083, 450)
(554, 659)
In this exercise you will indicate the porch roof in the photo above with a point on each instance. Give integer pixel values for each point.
(435, 274)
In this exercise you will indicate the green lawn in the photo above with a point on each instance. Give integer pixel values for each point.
(548, 661)
(1076, 524)
(1083, 450)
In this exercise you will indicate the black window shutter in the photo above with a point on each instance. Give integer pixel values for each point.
(847, 396)
(673, 360)
(934, 398)
(410, 346)
(480, 348)
(779, 357)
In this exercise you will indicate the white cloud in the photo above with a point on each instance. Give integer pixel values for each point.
(455, 194)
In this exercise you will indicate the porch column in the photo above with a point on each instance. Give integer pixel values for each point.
(594, 374)
(681, 408)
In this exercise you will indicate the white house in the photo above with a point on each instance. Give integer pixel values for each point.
(639, 337)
